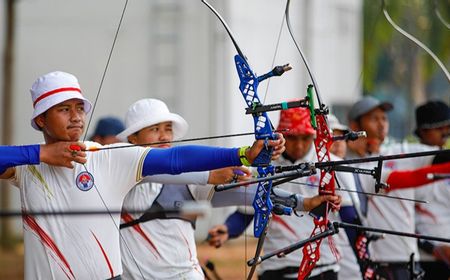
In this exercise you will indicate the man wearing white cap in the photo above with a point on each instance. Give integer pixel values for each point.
(163, 244)
(338, 148)
(158, 245)
(86, 247)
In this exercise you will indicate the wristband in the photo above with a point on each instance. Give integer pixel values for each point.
(243, 157)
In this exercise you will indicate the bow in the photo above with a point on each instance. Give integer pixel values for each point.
(322, 143)
(263, 130)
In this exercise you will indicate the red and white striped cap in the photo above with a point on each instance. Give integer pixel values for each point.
(54, 88)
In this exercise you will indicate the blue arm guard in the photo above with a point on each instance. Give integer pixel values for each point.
(18, 155)
(189, 158)
(237, 223)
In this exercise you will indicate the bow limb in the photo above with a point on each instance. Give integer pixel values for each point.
(415, 40)
(439, 16)
(305, 61)
(258, 251)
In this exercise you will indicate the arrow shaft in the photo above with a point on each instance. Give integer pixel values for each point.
(179, 141)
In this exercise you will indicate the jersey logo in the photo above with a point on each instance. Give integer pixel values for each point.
(389, 164)
(313, 180)
(85, 181)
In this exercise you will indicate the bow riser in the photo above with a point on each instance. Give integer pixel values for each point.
(311, 251)
(249, 86)
(263, 130)
(262, 203)
(322, 144)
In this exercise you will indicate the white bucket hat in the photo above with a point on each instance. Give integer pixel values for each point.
(54, 88)
(148, 112)
(334, 123)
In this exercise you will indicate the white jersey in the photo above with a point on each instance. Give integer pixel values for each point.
(76, 247)
(158, 248)
(349, 267)
(286, 230)
(433, 218)
(165, 248)
(398, 215)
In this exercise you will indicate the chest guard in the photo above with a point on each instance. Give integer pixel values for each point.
(167, 205)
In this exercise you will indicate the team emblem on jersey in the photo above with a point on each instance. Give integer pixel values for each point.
(313, 180)
(85, 181)
(389, 164)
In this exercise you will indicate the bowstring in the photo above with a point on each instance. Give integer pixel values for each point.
(106, 68)
(116, 35)
(274, 56)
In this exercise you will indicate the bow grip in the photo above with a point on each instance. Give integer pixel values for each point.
(320, 211)
(263, 210)
(264, 157)
(262, 203)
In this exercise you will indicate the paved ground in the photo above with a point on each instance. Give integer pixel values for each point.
(11, 264)
(229, 261)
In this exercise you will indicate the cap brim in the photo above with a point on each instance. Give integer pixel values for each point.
(179, 125)
(386, 106)
(434, 125)
(340, 127)
(43, 107)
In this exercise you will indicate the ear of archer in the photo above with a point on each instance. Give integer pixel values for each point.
(132, 138)
(40, 121)
(354, 126)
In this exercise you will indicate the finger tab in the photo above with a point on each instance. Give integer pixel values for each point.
(74, 147)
